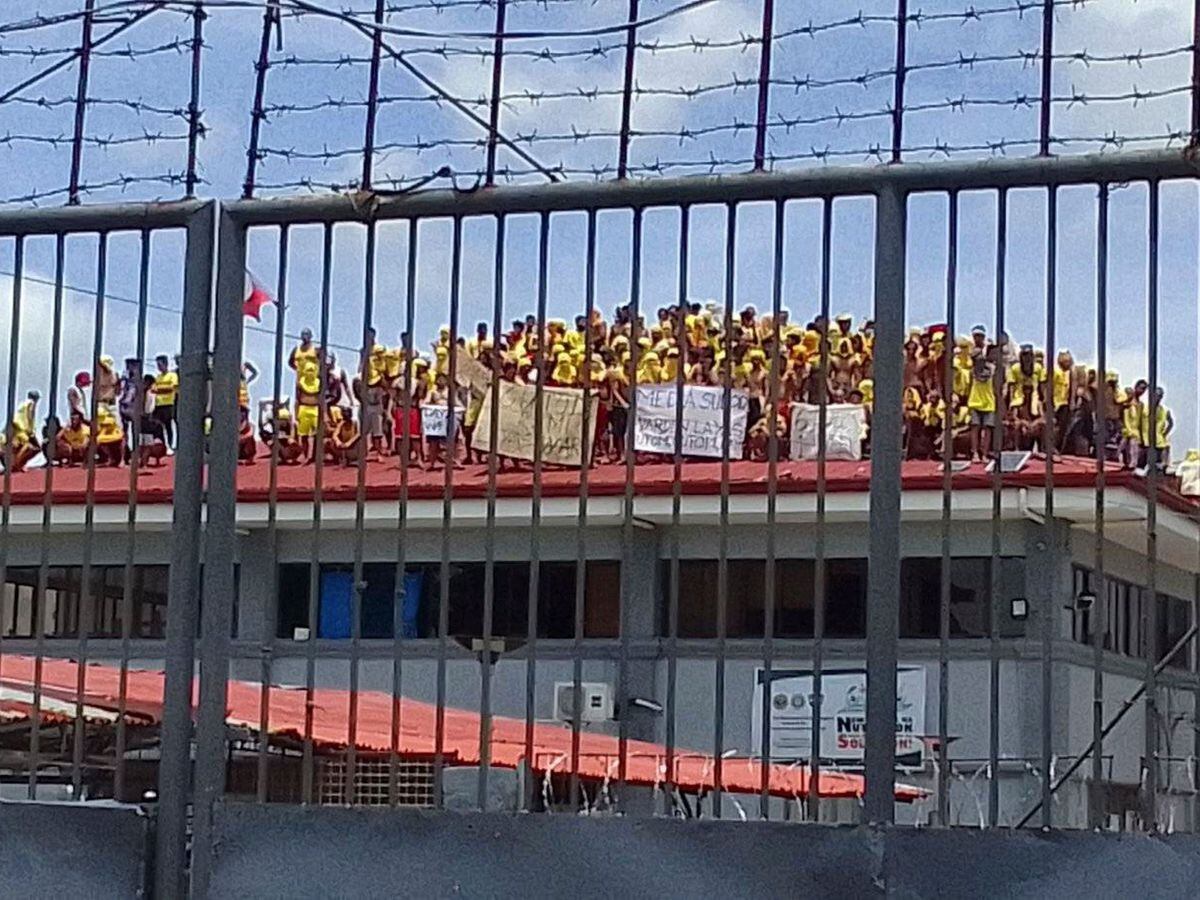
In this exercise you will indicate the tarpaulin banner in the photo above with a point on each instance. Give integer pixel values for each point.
(843, 714)
(702, 420)
(845, 429)
(470, 372)
(562, 424)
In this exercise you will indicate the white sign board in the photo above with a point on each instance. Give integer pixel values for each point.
(845, 429)
(433, 420)
(702, 420)
(843, 714)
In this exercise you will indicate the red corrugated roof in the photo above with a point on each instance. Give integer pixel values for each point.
(599, 754)
(295, 483)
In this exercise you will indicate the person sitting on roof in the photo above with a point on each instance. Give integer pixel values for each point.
(344, 443)
(110, 438)
(72, 441)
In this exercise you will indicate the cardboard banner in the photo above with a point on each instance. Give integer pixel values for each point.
(469, 372)
(843, 714)
(845, 430)
(562, 424)
(702, 420)
(433, 421)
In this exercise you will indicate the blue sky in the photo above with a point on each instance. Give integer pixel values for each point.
(1101, 28)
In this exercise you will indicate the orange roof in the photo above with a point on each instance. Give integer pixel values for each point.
(295, 483)
(599, 755)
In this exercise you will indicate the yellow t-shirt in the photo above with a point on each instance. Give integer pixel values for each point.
(76, 438)
(166, 387)
(983, 396)
(962, 376)
(1021, 382)
(1132, 419)
(1160, 430)
(1062, 387)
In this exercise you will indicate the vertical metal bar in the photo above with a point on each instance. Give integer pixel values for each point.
(14, 347)
(947, 571)
(39, 595)
(627, 91)
(628, 535)
(439, 750)
(672, 648)
(1049, 614)
(819, 579)
(360, 504)
(308, 762)
(194, 126)
(994, 583)
(489, 551)
(1099, 612)
(494, 111)
(899, 79)
(257, 114)
(81, 101)
(1047, 102)
(723, 515)
(406, 439)
(272, 618)
(535, 512)
(585, 464)
(175, 764)
(770, 575)
(883, 570)
(129, 573)
(220, 544)
(372, 98)
(1150, 623)
(764, 84)
(86, 600)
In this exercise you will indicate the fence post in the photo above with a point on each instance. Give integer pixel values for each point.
(883, 570)
(220, 543)
(174, 777)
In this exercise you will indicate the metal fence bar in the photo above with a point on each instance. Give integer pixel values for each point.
(820, 585)
(257, 114)
(81, 91)
(731, 212)
(1196, 73)
(133, 440)
(439, 751)
(175, 764)
(770, 574)
(818, 182)
(368, 161)
(262, 782)
(627, 92)
(14, 346)
(494, 108)
(38, 610)
(489, 564)
(193, 111)
(1050, 444)
(1150, 605)
(84, 619)
(588, 449)
(220, 546)
(899, 78)
(1098, 613)
(764, 84)
(399, 638)
(946, 569)
(883, 572)
(1047, 74)
(535, 509)
(996, 456)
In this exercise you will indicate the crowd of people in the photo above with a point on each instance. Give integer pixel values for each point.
(984, 393)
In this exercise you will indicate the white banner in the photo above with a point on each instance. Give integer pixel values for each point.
(845, 430)
(843, 714)
(703, 420)
(433, 420)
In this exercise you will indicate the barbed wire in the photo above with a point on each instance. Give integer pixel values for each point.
(136, 106)
(120, 182)
(178, 46)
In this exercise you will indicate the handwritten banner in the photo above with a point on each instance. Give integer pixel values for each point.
(845, 429)
(562, 424)
(433, 421)
(469, 372)
(702, 418)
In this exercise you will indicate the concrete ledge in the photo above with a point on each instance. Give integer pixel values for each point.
(72, 850)
(289, 851)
